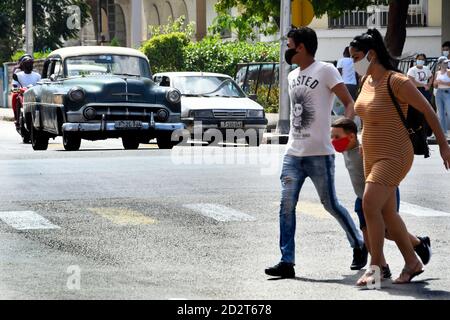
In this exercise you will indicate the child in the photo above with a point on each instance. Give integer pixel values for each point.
(344, 136)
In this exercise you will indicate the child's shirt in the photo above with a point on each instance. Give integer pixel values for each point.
(355, 166)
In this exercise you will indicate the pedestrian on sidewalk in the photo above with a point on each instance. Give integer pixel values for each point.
(347, 71)
(309, 152)
(387, 148)
(344, 137)
(442, 84)
(421, 76)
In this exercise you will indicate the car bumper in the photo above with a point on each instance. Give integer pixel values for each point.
(110, 126)
(205, 124)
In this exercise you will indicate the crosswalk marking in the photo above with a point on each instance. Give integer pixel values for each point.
(26, 220)
(419, 211)
(123, 217)
(219, 212)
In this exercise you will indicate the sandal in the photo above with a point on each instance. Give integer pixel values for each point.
(408, 274)
(368, 278)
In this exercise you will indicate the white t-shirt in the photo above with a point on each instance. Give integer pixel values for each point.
(27, 79)
(421, 75)
(348, 71)
(311, 104)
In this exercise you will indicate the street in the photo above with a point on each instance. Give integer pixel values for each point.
(191, 223)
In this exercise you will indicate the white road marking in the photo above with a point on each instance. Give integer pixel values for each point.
(26, 220)
(219, 212)
(419, 211)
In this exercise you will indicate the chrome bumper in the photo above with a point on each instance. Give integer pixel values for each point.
(108, 126)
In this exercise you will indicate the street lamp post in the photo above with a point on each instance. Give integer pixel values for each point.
(29, 26)
(284, 112)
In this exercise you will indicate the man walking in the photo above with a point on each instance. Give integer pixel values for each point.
(309, 152)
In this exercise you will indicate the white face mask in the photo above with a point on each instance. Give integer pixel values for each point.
(362, 65)
(445, 53)
(420, 63)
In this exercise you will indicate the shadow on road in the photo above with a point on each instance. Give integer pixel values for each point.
(416, 289)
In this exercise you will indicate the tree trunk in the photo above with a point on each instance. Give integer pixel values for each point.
(396, 30)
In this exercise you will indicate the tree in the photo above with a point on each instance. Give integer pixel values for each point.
(50, 24)
(265, 16)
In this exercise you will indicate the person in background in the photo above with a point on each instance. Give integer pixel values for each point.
(345, 68)
(421, 76)
(442, 84)
(446, 49)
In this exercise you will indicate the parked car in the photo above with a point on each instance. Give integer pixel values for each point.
(97, 93)
(216, 102)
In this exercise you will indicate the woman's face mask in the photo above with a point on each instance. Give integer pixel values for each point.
(420, 63)
(362, 65)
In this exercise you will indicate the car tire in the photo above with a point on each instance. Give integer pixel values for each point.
(130, 143)
(71, 142)
(39, 140)
(164, 140)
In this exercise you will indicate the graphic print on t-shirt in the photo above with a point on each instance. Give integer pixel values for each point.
(303, 109)
(422, 76)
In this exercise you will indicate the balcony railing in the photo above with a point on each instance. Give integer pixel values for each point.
(377, 16)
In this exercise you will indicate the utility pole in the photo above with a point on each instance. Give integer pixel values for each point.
(283, 125)
(29, 27)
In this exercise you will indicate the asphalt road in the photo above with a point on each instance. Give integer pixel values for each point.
(192, 223)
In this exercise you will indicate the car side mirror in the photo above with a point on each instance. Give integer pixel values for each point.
(53, 77)
(254, 97)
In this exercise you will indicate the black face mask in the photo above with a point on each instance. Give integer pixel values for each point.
(289, 55)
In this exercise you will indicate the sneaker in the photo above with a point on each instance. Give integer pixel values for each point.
(386, 272)
(359, 258)
(282, 270)
(423, 250)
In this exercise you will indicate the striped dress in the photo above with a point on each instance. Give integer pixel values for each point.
(388, 151)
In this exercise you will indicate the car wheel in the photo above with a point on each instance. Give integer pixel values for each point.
(39, 140)
(164, 140)
(130, 143)
(71, 142)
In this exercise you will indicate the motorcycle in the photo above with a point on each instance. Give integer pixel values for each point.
(19, 119)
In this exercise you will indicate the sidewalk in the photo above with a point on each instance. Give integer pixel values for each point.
(6, 114)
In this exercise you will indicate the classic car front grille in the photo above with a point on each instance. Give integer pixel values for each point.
(126, 113)
(233, 114)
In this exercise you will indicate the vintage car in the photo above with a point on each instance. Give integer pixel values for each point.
(97, 93)
(215, 101)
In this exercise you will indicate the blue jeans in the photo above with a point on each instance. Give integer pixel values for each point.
(443, 107)
(321, 171)
(360, 212)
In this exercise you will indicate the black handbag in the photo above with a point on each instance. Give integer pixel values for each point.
(415, 124)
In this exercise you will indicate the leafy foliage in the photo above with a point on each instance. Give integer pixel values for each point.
(50, 24)
(264, 15)
(165, 51)
(36, 55)
(172, 26)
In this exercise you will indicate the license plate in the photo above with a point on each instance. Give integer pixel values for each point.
(128, 124)
(231, 124)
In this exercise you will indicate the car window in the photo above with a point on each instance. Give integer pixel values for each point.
(208, 86)
(107, 65)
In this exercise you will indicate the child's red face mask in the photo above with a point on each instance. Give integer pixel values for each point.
(341, 144)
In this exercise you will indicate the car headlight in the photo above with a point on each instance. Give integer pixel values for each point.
(77, 94)
(255, 114)
(174, 96)
(202, 114)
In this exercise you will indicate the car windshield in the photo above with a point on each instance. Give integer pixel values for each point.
(208, 86)
(107, 65)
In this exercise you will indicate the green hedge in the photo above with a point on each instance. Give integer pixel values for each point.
(165, 51)
(36, 55)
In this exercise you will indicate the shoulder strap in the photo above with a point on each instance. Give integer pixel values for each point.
(397, 106)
